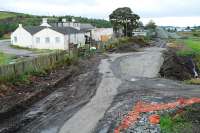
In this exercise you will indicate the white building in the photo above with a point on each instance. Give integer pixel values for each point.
(51, 36)
(57, 35)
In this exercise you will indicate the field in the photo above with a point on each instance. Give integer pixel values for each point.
(4, 15)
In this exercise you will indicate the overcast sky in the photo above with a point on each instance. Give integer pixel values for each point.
(163, 12)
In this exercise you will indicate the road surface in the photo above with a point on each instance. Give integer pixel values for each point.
(6, 48)
(134, 65)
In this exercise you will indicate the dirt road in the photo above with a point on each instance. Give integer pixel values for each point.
(130, 66)
(88, 104)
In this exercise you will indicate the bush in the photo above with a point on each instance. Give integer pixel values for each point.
(128, 44)
(196, 34)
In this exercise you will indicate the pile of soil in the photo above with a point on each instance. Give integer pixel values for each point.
(175, 67)
(133, 45)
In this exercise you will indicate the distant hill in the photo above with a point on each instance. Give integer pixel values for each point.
(10, 20)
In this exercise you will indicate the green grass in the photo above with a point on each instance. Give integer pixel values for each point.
(193, 45)
(193, 81)
(4, 15)
(174, 125)
(34, 50)
(5, 58)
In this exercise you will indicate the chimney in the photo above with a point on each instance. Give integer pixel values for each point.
(20, 25)
(64, 20)
(44, 20)
(45, 23)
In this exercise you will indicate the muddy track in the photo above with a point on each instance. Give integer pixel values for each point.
(68, 97)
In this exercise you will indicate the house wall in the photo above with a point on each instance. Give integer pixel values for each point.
(98, 33)
(78, 38)
(52, 44)
(24, 38)
(140, 33)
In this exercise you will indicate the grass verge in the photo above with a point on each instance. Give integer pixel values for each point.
(5, 58)
(186, 120)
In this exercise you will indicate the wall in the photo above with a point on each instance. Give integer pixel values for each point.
(24, 38)
(33, 64)
(99, 32)
(52, 35)
(139, 33)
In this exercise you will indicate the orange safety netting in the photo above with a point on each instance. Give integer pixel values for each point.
(142, 107)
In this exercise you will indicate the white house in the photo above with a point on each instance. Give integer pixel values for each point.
(51, 36)
(57, 35)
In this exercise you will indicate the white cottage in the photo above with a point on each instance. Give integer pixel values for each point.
(51, 36)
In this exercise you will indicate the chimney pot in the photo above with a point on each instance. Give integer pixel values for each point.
(20, 25)
(64, 20)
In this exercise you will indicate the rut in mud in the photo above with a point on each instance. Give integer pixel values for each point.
(68, 97)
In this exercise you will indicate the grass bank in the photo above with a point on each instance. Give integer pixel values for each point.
(5, 58)
(189, 46)
(182, 121)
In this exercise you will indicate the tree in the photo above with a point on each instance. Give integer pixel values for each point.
(151, 25)
(124, 18)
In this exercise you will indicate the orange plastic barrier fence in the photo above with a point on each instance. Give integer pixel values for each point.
(142, 107)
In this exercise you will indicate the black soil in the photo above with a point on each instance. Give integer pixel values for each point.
(175, 67)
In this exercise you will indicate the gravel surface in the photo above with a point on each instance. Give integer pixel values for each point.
(135, 87)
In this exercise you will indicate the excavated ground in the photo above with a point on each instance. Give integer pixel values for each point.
(63, 93)
(97, 99)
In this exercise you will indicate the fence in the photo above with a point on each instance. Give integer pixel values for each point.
(33, 64)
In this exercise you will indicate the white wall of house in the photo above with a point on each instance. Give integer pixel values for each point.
(49, 39)
(98, 32)
(21, 37)
(80, 38)
(142, 33)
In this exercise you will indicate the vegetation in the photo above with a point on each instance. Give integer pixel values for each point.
(151, 25)
(4, 58)
(173, 125)
(34, 50)
(184, 120)
(124, 18)
(4, 15)
(189, 46)
(193, 81)
(125, 44)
